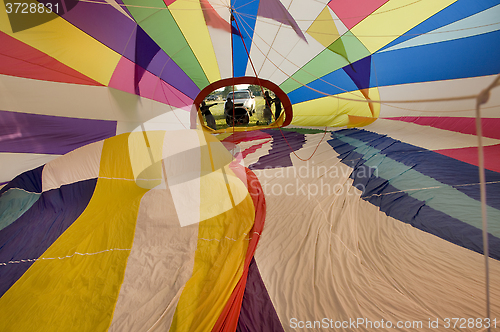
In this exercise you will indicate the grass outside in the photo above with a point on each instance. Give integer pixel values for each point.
(220, 120)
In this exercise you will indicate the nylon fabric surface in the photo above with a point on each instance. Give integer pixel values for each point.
(120, 210)
(361, 257)
(83, 255)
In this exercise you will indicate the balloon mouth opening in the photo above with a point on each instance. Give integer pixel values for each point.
(263, 105)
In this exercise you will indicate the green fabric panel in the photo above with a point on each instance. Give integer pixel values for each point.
(350, 47)
(324, 63)
(342, 52)
(435, 194)
(339, 48)
(13, 203)
(162, 28)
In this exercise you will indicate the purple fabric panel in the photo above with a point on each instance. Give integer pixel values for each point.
(171, 73)
(34, 133)
(30, 181)
(120, 2)
(145, 51)
(257, 311)
(275, 10)
(104, 23)
(281, 148)
(113, 29)
(34, 232)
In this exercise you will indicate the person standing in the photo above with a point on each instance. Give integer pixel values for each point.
(277, 108)
(268, 114)
(209, 118)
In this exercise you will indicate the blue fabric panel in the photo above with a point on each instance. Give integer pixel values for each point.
(334, 83)
(435, 194)
(30, 181)
(444, 169)
(400, 205)
(453, 59)
(359, 72)
(414, 212)
(283, 144)
(455, 12)
(245, 13)
(35, 231)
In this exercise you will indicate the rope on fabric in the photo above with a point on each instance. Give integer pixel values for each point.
(482, 98)
(255, 73)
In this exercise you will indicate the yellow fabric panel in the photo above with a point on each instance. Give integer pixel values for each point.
(323, 29)
(146, 151)
(220, 189)
(75, 284)
(359, 121)
(393, 19)
(218, 266)
(63, 41)
(189, 17)
(334, 112)
(221, 137)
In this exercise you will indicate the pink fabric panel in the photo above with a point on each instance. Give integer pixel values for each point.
(469, 155)
(150, 86)
(456, 124)
(354, 11)
(168, 2)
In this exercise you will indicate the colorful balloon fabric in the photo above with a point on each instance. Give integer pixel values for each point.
(118, 212)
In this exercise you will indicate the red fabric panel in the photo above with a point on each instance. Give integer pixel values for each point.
(19, 59)
(244, 136)
(253, 148)
(212, 18)
(457, 124)
(228, 320)
(469, 155)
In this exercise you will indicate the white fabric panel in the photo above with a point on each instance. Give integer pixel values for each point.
(254, 156)
(273, 53)
(80, 164)
(440, 90)
(160, 263)
(337, 256)
(425, 136)
(182, 162)
(480, 23)
(74, 100)
(221, 40)
(177, 119)
(341, 28)
(13, 164)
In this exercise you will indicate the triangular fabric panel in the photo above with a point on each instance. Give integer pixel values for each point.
(324, 29)
(245, 15)
(20, 59)
(353, 12)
